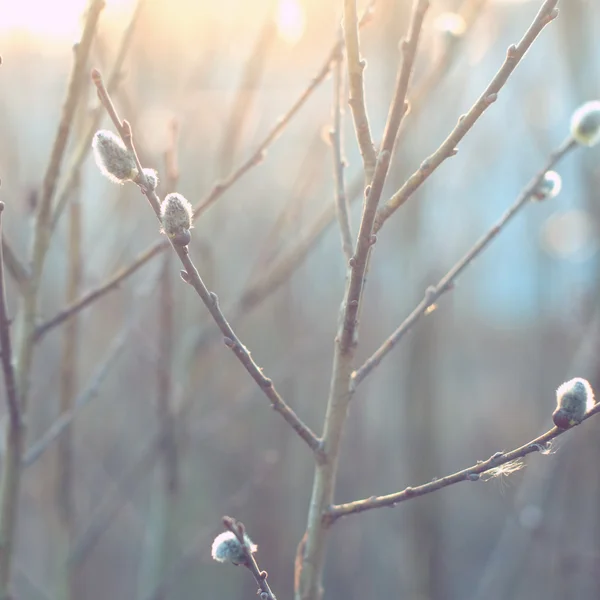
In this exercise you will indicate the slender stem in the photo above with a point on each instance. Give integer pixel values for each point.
(356, 67)
(342, 208)
(310, 571)
(473, 473)
(547, 13)
(209, 299)
(446, 283)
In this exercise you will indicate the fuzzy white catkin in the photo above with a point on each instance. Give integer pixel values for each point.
(549, 187)
(573, 398)
(176, 217)
(112, 157)
(585, 124)
(227, 548)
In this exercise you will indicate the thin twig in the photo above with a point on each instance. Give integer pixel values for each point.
(356, 67)
(85, 143)
(311, 569)
(216, 192)
(446, 283)
(547, 13)
(473, 473)
(209, 299)
(238, 529)
(342, 208)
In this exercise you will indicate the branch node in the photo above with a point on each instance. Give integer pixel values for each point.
(491, 98)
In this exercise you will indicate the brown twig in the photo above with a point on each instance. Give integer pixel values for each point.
(356, 67)
(209, 299)
(448, 148)
(342, 208)
(238, 529)
(446, 283)
(473, 473)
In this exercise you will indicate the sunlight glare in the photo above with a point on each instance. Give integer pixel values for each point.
(59, 19)
(291, 21)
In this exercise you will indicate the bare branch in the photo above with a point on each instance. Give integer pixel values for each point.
(473, 473)
(547, 13)
(446, 283)
(209, 299)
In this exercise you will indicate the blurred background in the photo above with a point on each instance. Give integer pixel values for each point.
(171, 433)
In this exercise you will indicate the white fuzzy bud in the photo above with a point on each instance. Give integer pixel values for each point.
(549, 186)
(112, 157)
(176, 216)
(573, 398)
(585, 124)
(227, 548)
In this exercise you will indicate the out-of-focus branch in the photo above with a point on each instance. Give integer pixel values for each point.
(85, 142)
(473, 473)
(209, 299)
(446, 283)
(547, 13)
(356, 67)
(11, 474)
(6, 353)
(18, 271)
(342, 208)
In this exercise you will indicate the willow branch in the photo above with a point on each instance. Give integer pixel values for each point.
(446, 283)
(547, 13)
(209, 299)
(473, 473)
